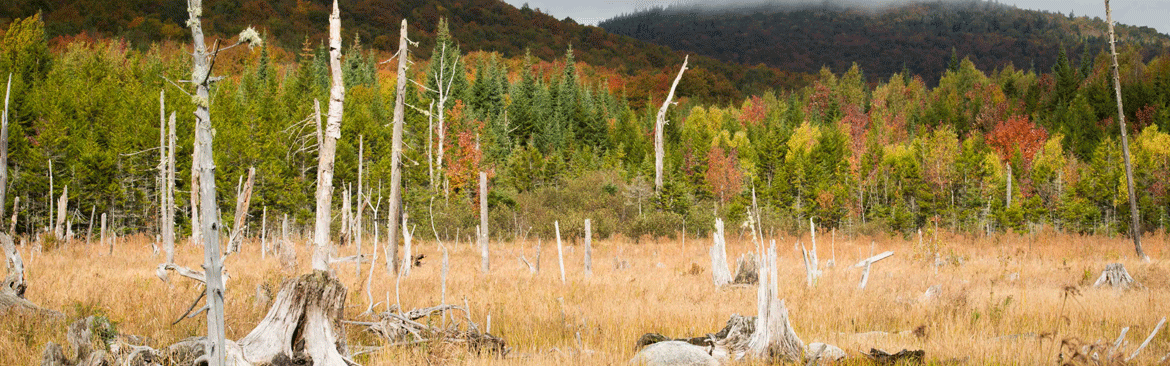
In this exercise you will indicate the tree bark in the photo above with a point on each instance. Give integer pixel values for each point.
(1135, 228)
(659, 124)
(396, 154)
(307, 313)
(329, 146)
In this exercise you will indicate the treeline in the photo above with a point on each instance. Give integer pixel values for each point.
(483, 25)
(893, 156)
(915, 37)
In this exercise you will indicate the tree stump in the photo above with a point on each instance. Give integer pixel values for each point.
(747, 270)
(304, 320)
(719, 272)
(1115, 276)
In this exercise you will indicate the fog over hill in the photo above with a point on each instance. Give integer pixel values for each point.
(883, 37)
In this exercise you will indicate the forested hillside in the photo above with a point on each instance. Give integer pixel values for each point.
(476, 25)
(916, 37)
(558, 144)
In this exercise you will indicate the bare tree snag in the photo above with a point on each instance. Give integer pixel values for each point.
(288, 252)
(1135, 228)
(485, 259)
(162, 160)
(196, 226)
(866, 264)
(264, 233)
(360, 203)
(345, 232)
(659, 124)
(1115, 276)
(407, 256)
(103, 243)
(201, 69)
(396, 152)
(169, 211)
(773, 338)
(4, 155)
(560, 250)
(59, 226)
(243, 200)
(588, 248)
(329, 146)
(719, 271)
(16, 209)
(811, 263)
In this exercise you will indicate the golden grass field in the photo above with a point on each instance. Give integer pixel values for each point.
(1004, 299)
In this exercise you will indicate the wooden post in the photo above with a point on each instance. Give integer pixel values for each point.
(485, 266)
(396, 151)
(1135, 229)
(560, 251)
(720, 274)
(659, 124)
(588, 249)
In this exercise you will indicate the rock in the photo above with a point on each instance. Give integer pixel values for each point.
(674, 353)
(830, 354)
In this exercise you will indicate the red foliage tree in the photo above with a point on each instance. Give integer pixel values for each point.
(723, 173)
(1017, 136)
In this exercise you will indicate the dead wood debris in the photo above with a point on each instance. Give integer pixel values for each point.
(419, 326)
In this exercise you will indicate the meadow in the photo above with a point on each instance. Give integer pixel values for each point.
(1005, 299)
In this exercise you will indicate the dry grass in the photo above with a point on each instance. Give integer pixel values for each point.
(1004, 300)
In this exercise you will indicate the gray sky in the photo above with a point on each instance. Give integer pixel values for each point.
(1151, 13)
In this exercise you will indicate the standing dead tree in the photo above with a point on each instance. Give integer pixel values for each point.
(659, 124)
(328, 147)
(719, 271)
(811, 263)
(485, 259)
(243, 200)
(4, 155)
(1135, 227)
(396, 152)
(13, 288)
(866, 264)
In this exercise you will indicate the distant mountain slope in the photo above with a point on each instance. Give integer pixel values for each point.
(477, 25)
(915, 36)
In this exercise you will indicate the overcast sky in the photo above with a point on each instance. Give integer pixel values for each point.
(1151, 13)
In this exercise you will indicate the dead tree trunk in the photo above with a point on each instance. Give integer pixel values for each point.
(396, 153)
(560, 250)
(59, 226)
(588, 248)
(773, 338)
(196, 226)
(407, 256)
(1135, 228)
(357, 224)
(485, 266)
(4, 154)
(169, 196)
(329, 146)
(659, 124)
(719, 271)
(243, 200)
(162, 161)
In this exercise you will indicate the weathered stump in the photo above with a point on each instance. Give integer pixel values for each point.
(1115, 276)
(747, 270)
(304, 320)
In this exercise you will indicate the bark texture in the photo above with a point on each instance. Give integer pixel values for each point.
(323, 248)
